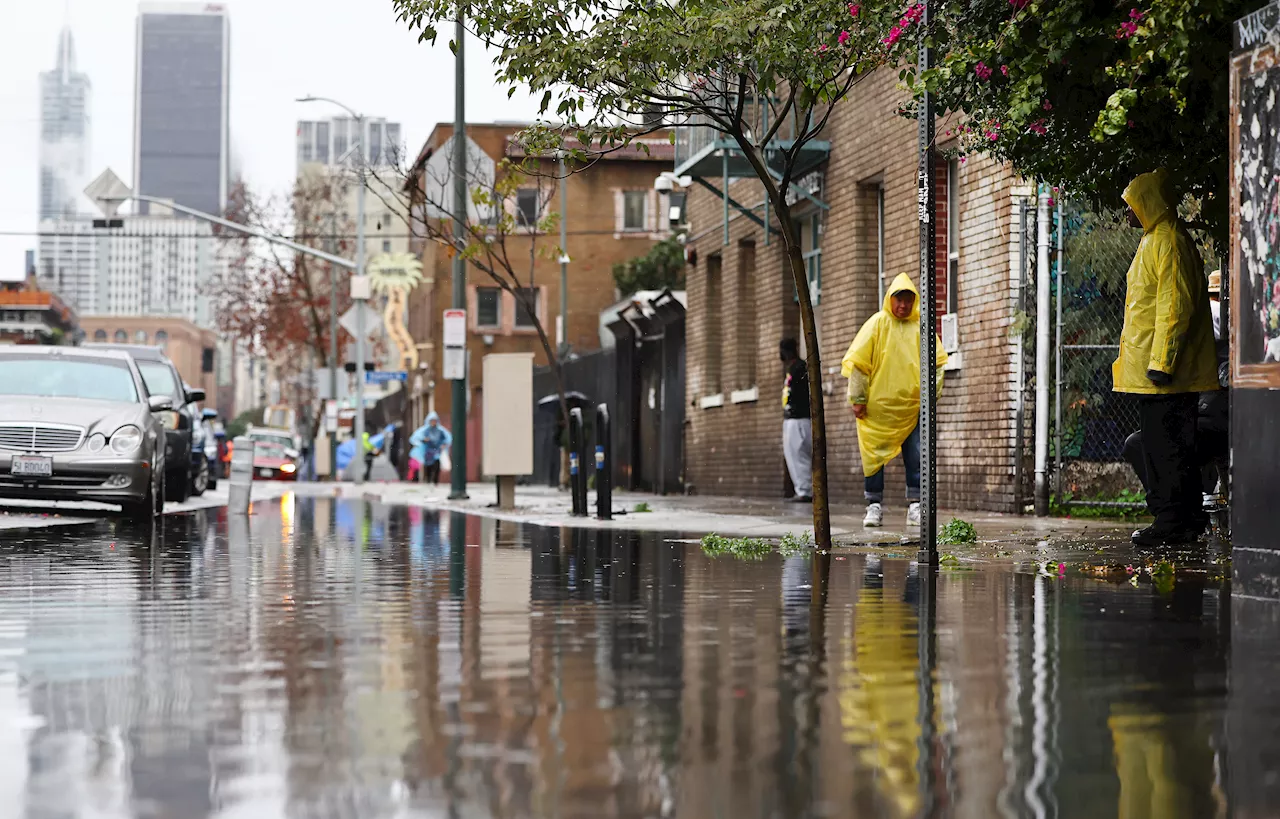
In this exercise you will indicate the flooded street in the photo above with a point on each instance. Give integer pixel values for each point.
(337, 658)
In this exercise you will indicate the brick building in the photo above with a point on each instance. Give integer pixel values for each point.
(742, 302)
(614, 214)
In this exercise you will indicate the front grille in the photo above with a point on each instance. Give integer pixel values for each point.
(40, 437)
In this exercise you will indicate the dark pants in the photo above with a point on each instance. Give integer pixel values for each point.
(873, 485)
(368, 465)
(431, 473)
(1163, 454)
(1212, 445)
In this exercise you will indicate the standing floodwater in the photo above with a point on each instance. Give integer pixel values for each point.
(334, 658)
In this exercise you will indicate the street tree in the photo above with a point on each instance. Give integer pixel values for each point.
(766, 74)
(659, 269)
(1087, 95)
(507, 232)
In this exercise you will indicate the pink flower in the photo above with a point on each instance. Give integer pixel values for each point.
(895, 34)
(1062, 568)
(822, 48)
(854, 8)
(843, 39)
(962, 159)
(1135, 15)
(1038, 128)
(1126, 30)
(1004, 69)
(982, 70)
(1048, 106)
(1131, 125)
(1128, 569)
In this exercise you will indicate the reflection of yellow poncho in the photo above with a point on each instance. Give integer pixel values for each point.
(887, 352)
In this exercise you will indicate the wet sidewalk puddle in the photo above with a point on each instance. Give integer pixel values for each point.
(333, 659)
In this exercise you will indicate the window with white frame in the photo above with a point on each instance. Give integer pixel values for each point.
(811, 250)
(880, 245)
(527, 207)
(635, 206)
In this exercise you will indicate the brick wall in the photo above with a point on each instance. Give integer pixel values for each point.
(735, 448)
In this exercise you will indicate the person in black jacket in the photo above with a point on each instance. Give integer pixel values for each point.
(797, 425)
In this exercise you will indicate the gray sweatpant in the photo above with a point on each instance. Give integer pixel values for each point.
(797, 448)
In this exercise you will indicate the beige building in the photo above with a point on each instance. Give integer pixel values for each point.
(193, 350)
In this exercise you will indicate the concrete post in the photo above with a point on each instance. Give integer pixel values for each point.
(239, 496)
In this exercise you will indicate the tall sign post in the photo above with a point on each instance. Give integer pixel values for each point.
(927, 212)
(458, 475)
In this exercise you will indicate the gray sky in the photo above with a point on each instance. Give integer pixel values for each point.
(352, 50)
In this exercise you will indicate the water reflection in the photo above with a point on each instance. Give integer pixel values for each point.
(340, 658)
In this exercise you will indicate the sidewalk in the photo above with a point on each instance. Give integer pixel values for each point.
(698, 515)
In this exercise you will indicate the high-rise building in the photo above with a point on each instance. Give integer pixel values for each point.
(180, 136)
(67, 261)
(328, 141)
(64, 134)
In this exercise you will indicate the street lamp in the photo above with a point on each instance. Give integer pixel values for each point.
(359, 282)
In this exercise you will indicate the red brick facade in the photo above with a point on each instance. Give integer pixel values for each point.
(734, 324)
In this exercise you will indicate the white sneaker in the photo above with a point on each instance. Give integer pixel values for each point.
(913, 514)
(875, 515)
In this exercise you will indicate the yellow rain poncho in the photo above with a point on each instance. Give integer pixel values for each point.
(886, 356)
(1168, 325)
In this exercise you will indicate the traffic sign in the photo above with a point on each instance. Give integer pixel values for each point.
(455, 363)
(455, 329)
(372, 321)
(385, 376)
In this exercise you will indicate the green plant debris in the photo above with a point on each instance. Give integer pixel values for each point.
(642, 507)
(743, 548)
(949, 559)
(793, 544)
(1068, 505)
(957, 532)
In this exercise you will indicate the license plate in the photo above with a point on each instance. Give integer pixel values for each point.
(265, 473)
(32, 466)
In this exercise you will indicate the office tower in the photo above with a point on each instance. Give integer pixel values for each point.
(64, 134)
(181, 104)
(327, 141)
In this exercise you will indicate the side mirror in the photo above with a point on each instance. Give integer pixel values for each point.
(195, 395)
(160, 403)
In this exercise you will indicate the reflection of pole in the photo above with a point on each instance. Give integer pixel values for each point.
(927, 216)
(927, 656)
(458, 474)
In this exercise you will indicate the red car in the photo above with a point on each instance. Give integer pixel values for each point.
(271, 462)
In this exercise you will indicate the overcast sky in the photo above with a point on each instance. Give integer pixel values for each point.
(352, 50)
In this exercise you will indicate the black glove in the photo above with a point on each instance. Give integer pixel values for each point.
(1158, 378)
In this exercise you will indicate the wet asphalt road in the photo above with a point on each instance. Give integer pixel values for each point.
(336, 658)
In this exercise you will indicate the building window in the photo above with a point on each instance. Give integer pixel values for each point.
(140, 336)
(714, 318)
(162, 339)
(488, 307)
(634, 210)
(122, 337)
(811, 249)
(525, 296)
(745, 345)
(675, 208)
(99, 336)
(527, 207)
(880, 283)
(953, 237)
(386, 245)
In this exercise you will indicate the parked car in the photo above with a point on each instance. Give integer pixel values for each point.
(79, 424)
(272, 462)
(162, 378)
(209, 424)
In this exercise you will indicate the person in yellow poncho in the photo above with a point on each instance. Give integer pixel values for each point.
(1166, 358)
(883, 368)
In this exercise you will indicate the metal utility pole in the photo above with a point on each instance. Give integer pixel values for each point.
(562, 342)
(927, 213)
(458, 475)
(1042, 353)
(333, 347)
(360, 296)
(1057, 380)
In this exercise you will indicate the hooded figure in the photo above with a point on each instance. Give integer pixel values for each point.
(883, 368)
(426, 445)
(1166, 357)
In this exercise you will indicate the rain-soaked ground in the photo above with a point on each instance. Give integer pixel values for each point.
(337, 658)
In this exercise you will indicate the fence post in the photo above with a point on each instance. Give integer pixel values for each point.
(1020, 398)
(604, 464)
(577, 478)
(1042, 353)
(1057, 381)
(241, 477)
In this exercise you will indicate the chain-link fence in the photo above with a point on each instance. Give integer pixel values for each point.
(1091, 421)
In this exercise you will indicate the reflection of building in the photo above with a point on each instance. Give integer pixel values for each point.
(180, 138)
(192, 349)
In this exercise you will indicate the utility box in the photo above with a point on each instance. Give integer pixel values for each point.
(508, 417)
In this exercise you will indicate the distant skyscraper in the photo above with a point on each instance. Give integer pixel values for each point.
(64, 134)
(180, 136)
(327, 141)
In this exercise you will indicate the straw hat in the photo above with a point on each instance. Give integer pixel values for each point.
(1215, 281)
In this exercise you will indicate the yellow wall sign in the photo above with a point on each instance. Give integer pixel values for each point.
(395, 274)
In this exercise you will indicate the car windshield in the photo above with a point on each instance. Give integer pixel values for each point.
(54, 377)
(272, 439)
(159, 379)
(268, 449)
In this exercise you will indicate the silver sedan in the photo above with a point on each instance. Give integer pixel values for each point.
(78, 425)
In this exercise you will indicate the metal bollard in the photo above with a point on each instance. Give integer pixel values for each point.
(577, 475)
(604, 464)
(238, 497)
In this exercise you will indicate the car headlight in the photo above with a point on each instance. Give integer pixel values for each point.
(126, 439)
(288, 469)
(96, 442)
(171, 419)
